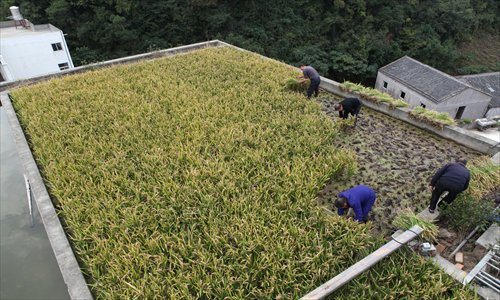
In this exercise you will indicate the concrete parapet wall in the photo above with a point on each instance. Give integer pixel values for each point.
(454, 133)
(70, 271)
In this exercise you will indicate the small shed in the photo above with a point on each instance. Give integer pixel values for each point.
(421, 85)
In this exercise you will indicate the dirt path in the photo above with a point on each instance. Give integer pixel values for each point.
(395, 159)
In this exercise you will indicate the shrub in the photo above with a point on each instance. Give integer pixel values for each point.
(432, 117)
(465, 213)
(406, 219)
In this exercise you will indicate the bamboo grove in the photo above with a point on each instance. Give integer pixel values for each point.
(195, 176)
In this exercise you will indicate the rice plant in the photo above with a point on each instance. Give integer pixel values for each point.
(432, 117)
(407, 219)
(372, 95)
(293, 84)
(485, 177)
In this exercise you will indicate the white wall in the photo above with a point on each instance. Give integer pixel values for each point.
(30, 54)
(475, 102)
(394, 88)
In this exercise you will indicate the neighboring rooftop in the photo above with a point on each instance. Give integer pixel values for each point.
(488, 83)
(434, 84)
(8, 29)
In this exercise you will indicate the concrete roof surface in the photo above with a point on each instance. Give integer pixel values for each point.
(488, 83)
(436, 85)
(491, 133)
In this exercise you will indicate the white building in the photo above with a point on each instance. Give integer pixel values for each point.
(421, 85)
(28, 50)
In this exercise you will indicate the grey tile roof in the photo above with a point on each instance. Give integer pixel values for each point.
(488, 83)
(434, 84)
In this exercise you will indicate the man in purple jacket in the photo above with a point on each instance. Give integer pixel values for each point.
(309, 72)
(452, 178)
(360, 198)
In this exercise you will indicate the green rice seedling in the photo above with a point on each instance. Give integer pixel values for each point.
(406, 219)
(400, 103)
(432, 117)
(373, 95)
(293, 84)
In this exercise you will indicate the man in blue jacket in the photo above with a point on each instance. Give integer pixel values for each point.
(452, 178)
(360, 198)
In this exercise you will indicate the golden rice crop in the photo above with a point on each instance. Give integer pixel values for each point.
(194, 176)
(485, 177)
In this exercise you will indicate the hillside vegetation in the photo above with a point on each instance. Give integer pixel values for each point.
(480, 53)
(344, 40)
(178, 180)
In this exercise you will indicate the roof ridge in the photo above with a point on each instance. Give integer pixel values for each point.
(478, 75)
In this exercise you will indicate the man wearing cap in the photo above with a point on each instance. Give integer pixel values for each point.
(360, 198)
(452, 178)
(309, 72)
(349, 106)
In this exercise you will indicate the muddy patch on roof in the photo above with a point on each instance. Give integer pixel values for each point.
(394, 158)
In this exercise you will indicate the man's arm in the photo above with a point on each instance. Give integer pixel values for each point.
(438, 174)
(340, 211)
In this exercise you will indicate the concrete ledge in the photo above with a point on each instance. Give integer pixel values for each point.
(489, 238)
(71, 273)
(129, 59)
(449, 268)
(454, 133)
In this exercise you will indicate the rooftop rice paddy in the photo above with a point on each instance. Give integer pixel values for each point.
(196, 176)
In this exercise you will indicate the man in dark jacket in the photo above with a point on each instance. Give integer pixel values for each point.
(310, 73)
(360, 198)
(349, 106)
(452, 178)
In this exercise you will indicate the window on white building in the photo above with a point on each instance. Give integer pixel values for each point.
(56, 46)
(402, 95)
(385, 84)
(63, 66)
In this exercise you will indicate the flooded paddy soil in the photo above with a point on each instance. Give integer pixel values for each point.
(394, 158)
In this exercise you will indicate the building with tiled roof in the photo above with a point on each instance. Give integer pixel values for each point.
(489, 83)
(419, 84)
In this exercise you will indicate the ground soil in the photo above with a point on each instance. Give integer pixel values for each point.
(394, 158)
(472, 253)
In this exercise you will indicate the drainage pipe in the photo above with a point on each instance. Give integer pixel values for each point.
(463, 242)
(338, 281)
(30, 205)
